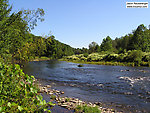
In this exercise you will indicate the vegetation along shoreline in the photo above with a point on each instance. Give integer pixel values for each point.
(19, 93)
(130, 58)
(71, 103)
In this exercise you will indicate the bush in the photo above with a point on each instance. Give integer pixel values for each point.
(18, 92)
(95, 57)
(111, 57)
(146, 58)
(85, 54)
(135, 56)
(86, 109)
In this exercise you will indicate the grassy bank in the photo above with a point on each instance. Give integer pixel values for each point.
(130, 58)
(41, 59)
(100, 63)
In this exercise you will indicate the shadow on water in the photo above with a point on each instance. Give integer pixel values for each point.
(121, 87)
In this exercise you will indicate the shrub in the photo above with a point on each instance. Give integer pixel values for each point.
(18, 92)
(95, 57)
(135, 56)
(111, 57)
(86, 109)
(85, 54)
(83, 58)
(53, 97)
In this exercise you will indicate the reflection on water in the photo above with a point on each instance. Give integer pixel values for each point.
(127, 88)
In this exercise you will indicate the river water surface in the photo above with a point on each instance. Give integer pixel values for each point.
(120, 87)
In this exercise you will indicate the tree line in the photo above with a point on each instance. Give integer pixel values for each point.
(17, 44)
(139, 39)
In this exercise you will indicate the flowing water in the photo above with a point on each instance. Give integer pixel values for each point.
(120, 87)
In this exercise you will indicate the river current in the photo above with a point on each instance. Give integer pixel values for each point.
(120, 87)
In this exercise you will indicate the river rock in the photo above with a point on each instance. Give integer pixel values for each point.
(46, 90)
(64, 105)
(62, 92)
(98, 103)
(48, 86)
(128, 93)
(50, 93)
(90, 103)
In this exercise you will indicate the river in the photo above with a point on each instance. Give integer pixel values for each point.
(120, 87)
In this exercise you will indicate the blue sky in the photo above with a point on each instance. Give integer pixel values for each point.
(79, 22)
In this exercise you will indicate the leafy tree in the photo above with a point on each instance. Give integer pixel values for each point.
(40, 46)
(78, 51)
(139, 39)
(106, 44)
(31, 17)
(51, 47)
(14, 28)
(134, 56)
(94, 47)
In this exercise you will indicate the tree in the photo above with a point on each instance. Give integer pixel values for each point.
(31, 17)
(51, 47)
(40, 46)
(139, 39)
(14, 28)
(106, 44)
(93, 47)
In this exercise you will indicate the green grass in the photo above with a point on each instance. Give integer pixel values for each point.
(86, 109)
(41, 58)
(97, 63)
(147, 64)
(53, 97)
(67, 99)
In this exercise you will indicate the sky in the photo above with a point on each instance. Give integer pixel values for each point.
(80, 22)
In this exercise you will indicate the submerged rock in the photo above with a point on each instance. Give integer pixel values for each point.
(80, 65)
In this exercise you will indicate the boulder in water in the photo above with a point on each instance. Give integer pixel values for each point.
(80, 65)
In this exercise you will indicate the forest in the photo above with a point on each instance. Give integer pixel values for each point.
(139, 39)
(18, 45)
(132, 50)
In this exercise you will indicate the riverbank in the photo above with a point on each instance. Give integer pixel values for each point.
(71, 103)
(92, 83)
(100, 63)
(41, 59)
(130, 58)
(145, 64)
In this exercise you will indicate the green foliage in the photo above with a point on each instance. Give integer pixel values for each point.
(137, 40)
(110, 57)
(14, 32)
(56, 49)
(18, 92)
(146, 57)
(95, 57)
(31, 17)
(85, 54)
(94, 47)
(134, 56)
(106, 44)
(129, 58)
(67, 99)
(86, 109)
(18, 45)
(53, 97)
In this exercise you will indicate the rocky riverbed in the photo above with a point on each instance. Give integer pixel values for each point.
(71, 103)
